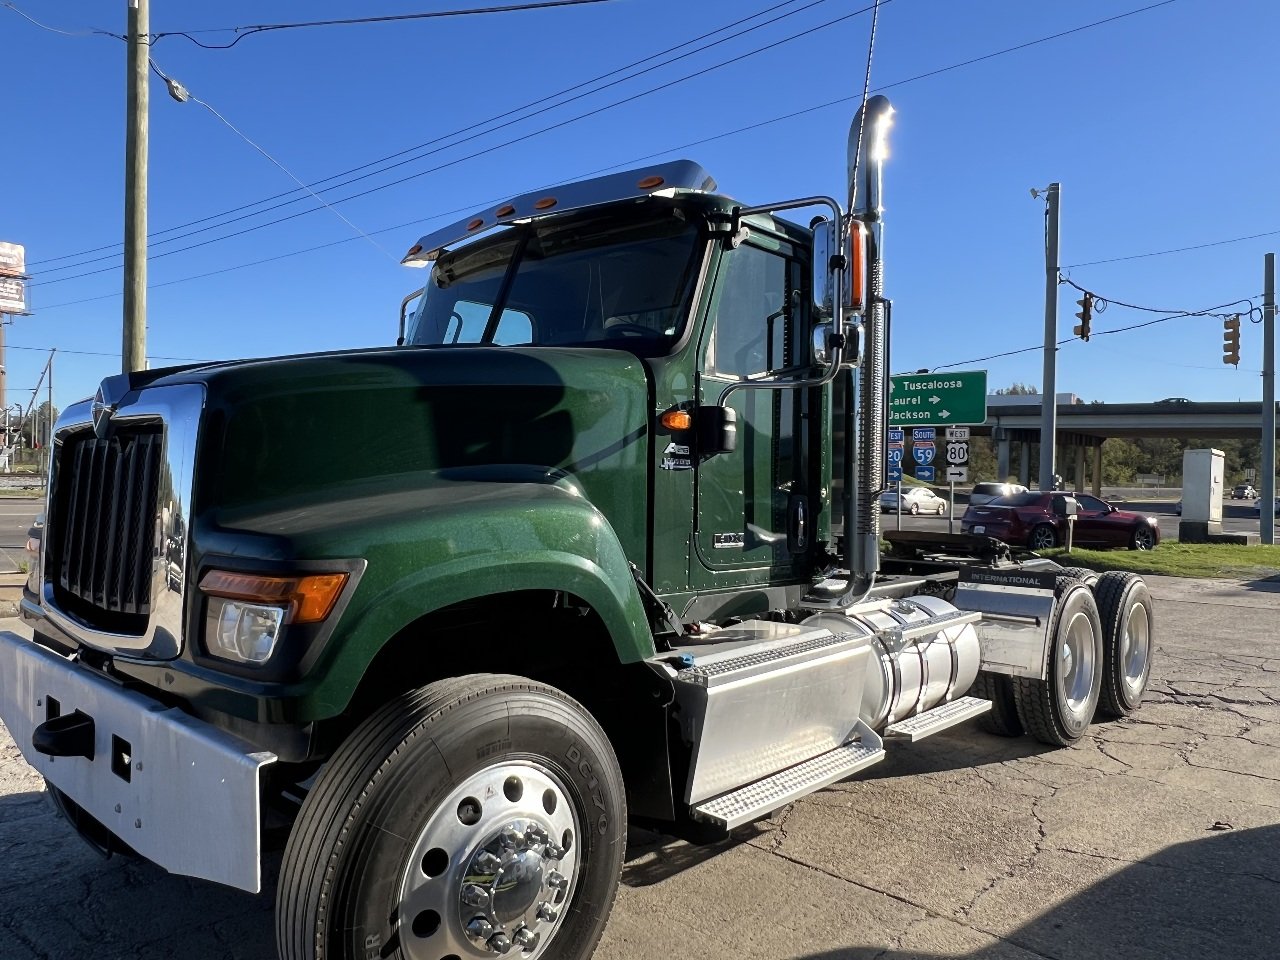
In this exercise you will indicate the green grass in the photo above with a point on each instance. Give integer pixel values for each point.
(1173, 559)
(24, 493)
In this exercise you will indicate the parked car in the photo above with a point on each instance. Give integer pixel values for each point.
(1244, 491)
(1257, 507)
(1030, 519)
(915, 500)
(986, 492)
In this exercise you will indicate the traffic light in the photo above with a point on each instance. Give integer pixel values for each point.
(1231, 340)
(1085, 314)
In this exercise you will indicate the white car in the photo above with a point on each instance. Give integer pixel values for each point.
(1257, 507)
(915, 500)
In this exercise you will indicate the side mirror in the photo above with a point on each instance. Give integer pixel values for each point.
(716, 428)
(822, 334)
(825, 244)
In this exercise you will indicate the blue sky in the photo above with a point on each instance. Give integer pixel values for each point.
(1160, 127)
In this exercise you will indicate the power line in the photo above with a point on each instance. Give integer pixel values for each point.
(692, 143)
(1207, 312)
(604, 108)
(1161, 253)
(92, 353)
(248, 31)
(181, 93)
(91, 32)
(542, 105)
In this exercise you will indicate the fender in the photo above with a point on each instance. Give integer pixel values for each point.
(464, 535)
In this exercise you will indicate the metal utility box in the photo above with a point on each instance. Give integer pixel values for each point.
(1202, 472)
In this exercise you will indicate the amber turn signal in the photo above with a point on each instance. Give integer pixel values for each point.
(676, 420)
(310, 598)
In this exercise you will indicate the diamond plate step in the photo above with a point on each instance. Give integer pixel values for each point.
(761, 798)
(939, 718)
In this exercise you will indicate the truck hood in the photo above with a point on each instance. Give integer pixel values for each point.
(320, 426)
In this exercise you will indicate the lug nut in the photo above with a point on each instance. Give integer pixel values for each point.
(511, 838)
(479, 928)
(488, 863)
(552, 852)
(547, 912)
(499, 943)
(535, 834)
(525, 939)
(474, 895)
(556, 881)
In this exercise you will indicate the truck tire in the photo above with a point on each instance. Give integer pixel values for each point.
(1002, 718)
(1128, 624)
(1081, 573)
(480, 814)
(1058, 709)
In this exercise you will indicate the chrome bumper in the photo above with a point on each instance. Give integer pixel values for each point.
(180, 792)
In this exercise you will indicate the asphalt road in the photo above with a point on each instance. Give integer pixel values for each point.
(16, 517)
(1155, 838)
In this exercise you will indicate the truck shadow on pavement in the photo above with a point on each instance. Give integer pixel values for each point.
(1214, 897)
(61, 899)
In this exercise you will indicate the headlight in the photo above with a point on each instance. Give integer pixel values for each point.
(247, 612)
(242, 631)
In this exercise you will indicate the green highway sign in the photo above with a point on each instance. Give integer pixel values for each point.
(938, 399)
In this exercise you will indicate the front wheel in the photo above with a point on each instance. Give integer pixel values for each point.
(1143, 538)
(915, 509)
(1058, 709)
(942, 509)
(479, 815)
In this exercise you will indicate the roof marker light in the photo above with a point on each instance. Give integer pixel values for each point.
(476, 224)
(546, 203)
(505, 210)
(648, 183)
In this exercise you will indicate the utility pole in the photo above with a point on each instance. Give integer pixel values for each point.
(134, 348)
(1266, 506)
(1049, 400)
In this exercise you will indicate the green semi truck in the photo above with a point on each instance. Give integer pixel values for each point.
(609, 553)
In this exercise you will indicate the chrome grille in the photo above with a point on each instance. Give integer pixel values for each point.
(104, 526)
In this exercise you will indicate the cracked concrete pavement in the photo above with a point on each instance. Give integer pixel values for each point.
(1155, 838)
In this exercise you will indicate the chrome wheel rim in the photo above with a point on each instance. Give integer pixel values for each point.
(1143, 539)
(1076, 666)
(1135, 649)
(1042, 539)
(494, 870)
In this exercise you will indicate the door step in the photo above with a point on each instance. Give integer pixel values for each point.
(759, 799)
(939, 718)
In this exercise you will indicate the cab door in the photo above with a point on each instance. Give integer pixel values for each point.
(753, 506)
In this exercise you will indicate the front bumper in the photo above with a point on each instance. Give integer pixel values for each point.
(177, 790)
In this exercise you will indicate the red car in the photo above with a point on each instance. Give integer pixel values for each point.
(1030, 518)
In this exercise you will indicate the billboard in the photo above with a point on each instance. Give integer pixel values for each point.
(13, 279)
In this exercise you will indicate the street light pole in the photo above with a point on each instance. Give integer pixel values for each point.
(1049, 388)
(134, 346)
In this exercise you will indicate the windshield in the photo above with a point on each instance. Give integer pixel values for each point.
(597, 281)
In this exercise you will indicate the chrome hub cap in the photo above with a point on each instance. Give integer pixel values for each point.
(1135, 648)
(1076, 666)
(493, 871)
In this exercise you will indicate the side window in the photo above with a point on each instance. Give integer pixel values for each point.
(751, 313)
(1091, 503)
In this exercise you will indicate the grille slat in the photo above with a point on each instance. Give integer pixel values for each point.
(102, 526)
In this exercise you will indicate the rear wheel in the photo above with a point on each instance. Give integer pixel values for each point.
(942, 509)
(915, 509)
(1043, 537)
(1002, 718)
(469, 818)
(1128, 623)
(1058, 709)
